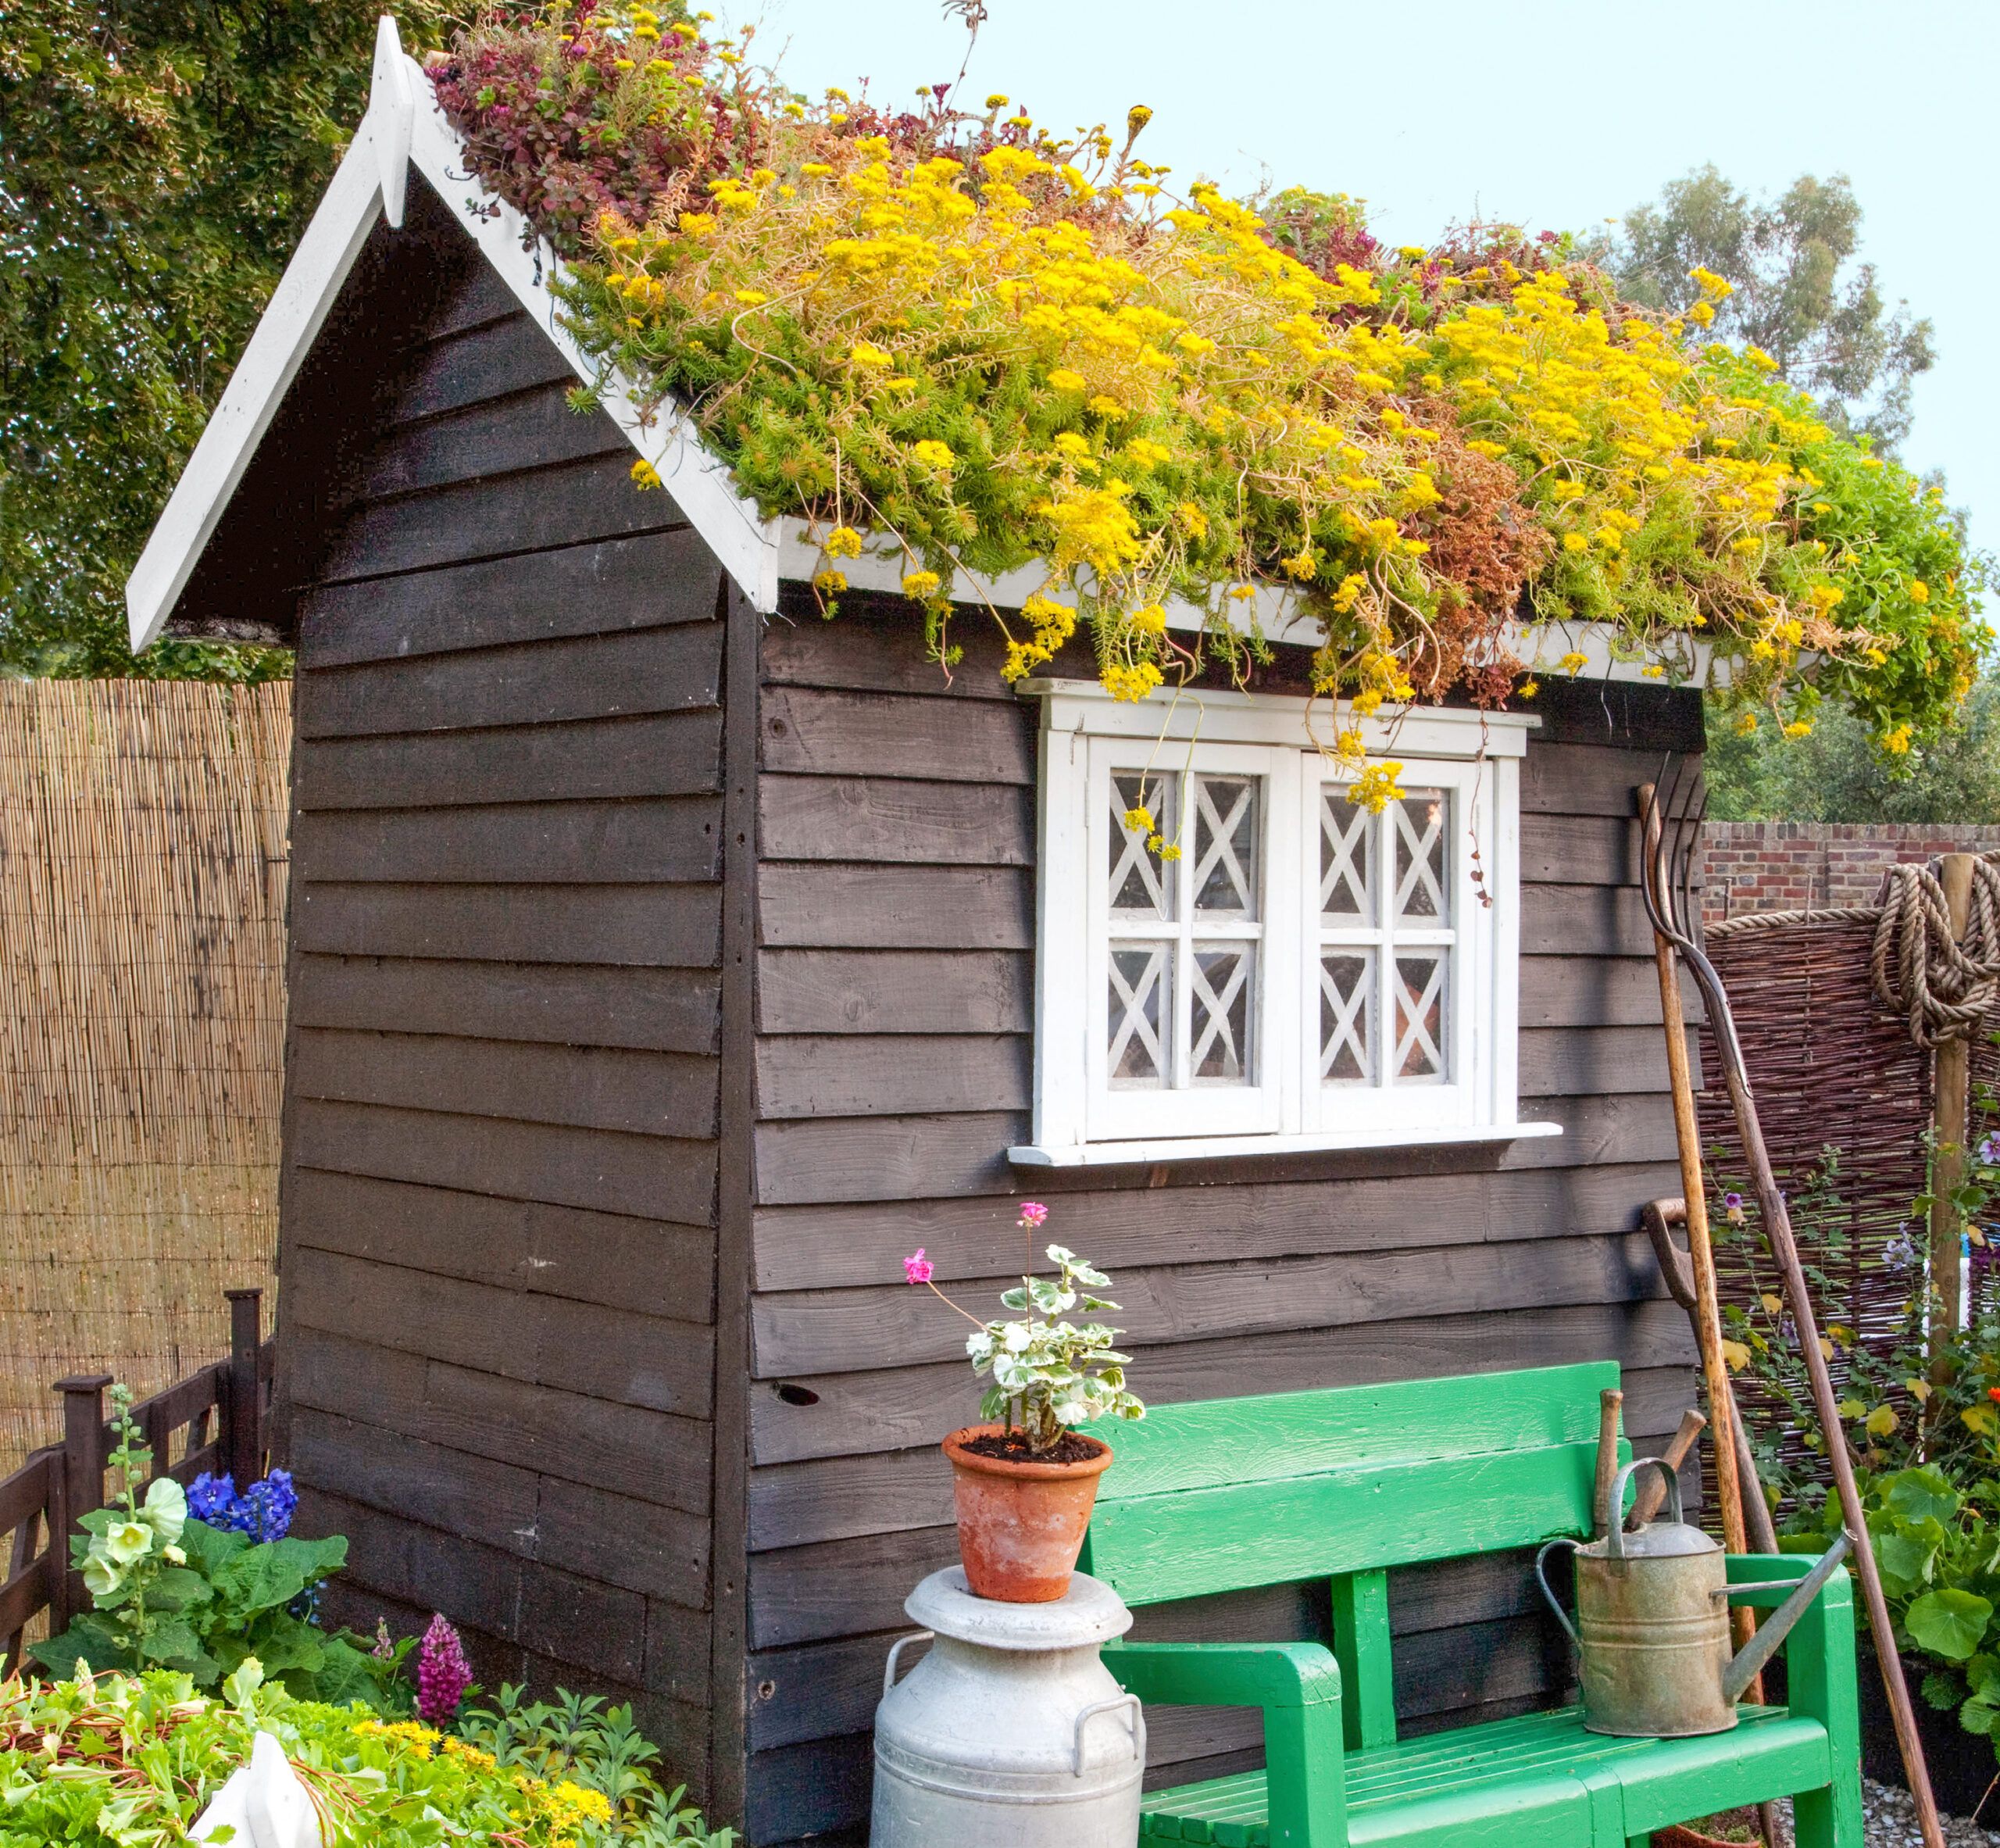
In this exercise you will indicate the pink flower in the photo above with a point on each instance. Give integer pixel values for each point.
(1032, 1213)
(917, 1268)
(443, 1674)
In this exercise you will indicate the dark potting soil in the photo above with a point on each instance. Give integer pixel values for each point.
(1012, 1446)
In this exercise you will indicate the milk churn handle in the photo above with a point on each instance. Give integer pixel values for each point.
(1106, 1706)
(896, 1651)
(1541, 1579)
(1614, 1540)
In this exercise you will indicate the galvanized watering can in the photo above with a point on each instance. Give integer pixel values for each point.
(1652, 1609)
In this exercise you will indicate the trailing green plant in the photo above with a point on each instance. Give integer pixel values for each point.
(120, 1762)
(951, 333)
(169, 1591)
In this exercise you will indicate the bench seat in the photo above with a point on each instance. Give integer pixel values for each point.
(1494, 1782)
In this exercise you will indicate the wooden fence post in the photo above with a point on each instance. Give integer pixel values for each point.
(243, 1429)
(1951, 1102)
(81, 1480)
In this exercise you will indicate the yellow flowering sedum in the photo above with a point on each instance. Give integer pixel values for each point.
(990, 347)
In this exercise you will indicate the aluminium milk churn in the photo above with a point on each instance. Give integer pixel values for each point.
(1010, 1731)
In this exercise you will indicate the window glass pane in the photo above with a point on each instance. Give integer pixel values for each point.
(1422, 1021)
(1346, 1016)
(1141, 885)
(1347, 860)
(1226, 835)
(1423, 856)
(1140, 1016)
(1225, 985)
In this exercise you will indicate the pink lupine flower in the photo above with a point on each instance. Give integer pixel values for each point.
(917, 1268)
(443, 1673)
(1032, 1213)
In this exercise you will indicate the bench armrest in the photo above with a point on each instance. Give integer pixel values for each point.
(1297, 1684)
(1265, 1674)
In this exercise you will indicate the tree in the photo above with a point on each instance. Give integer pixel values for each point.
(1802, 292)
(160, 161)
(1838, 773)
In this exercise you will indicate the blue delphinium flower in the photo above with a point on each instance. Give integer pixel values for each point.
(212, 1499)
(268, 1506)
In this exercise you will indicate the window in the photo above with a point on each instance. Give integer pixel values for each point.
(1301, 972)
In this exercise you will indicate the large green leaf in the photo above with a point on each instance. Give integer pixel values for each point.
(209, 1549)
(89, 1639)
(270, 1576)
(1948, 1623)
(280, 1643)
(1920, 1495)
(178, 1588)
(171, 1642)
(1904, 1561)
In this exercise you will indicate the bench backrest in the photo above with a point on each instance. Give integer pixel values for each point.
(1223, 1495)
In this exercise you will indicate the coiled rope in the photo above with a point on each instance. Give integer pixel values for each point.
(1943, 987)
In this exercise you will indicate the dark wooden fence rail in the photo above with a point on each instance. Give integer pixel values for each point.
(221, 1416)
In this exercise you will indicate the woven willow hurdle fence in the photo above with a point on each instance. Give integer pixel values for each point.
(142, 884)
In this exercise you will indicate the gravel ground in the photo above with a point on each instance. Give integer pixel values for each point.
(1889, 1821)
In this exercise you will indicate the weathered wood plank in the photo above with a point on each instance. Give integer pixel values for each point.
(1570, 1061)
(673, 669)
(876, 645)
(1636, 715)
(644, 1266)
(594, 589)
(591, 500)
(1583, 779)
(479, 295)
(850, 1330)
(827, 1159)
(893, 990)
(586, 1349)
(809, 1791)
(834, 1075)
(1579, 850)
(489, 361)
(645, 1455)
(1576, 920)
(669, 926)
(881, 819)
(1574, 991)
(644, 1176)
(667, 1010)
(672, 840)
(813, 732)
(531, 430)
(668, 754)
(1188, 1221)
(641, 1093)
(809, 906)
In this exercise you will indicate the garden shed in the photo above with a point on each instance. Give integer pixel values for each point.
(666, 962)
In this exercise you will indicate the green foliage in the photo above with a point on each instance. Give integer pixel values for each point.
(1802, 292)
(111, 1761)
(1840, 773)
(170, 1592)
(161, 159)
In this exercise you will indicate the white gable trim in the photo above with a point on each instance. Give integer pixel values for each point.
(405, 126)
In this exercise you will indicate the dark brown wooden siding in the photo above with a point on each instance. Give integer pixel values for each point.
(499, 1204)
(895, 1005)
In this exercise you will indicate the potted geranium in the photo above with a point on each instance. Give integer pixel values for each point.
(1025, 1480)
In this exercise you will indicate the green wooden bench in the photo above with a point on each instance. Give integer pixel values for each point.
(1229, 1494)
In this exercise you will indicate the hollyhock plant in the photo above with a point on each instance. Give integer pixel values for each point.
(1047, 1375)
(443, 1673)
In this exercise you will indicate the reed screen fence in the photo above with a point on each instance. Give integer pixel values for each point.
(142, 891)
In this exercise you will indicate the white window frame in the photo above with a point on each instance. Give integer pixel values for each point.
(1086, 737)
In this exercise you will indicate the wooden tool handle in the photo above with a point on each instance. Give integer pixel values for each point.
(1652, 1491)
(1602, 1513)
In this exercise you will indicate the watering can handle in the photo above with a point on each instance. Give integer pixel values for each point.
(1610, 1520)
(1541, 1579)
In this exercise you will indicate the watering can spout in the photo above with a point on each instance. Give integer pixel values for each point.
(1763, 1645)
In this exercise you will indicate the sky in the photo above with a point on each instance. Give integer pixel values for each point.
(1538, 112)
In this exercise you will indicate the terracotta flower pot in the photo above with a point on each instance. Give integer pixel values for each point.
(1020, 1525)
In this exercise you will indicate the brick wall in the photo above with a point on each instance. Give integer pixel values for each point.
(1790, 866)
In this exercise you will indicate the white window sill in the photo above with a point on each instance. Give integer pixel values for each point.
(1089, 1155)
